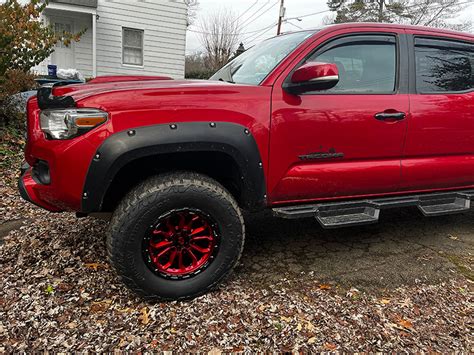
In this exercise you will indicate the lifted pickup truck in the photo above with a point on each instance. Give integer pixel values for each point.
(335, 124)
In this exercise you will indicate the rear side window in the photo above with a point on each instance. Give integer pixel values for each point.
(443, 66)
(366, 64)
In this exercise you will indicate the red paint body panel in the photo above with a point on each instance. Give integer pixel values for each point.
(122, 78)
(432, 149)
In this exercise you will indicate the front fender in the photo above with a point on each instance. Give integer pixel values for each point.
(126, 146)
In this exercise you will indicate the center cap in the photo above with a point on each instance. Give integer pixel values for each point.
(181, 240)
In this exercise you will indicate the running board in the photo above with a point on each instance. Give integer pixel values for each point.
(360, 212)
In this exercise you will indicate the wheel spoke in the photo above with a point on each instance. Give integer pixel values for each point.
(161, 244)
(202, 237)
(161, 232)
(163, 252)
(199, 249)
(193, 257)
(182, 220)
(180, 260)
(171, 260)
(197, 231)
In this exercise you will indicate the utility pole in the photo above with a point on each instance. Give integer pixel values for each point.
(281, 15)
(381, 4)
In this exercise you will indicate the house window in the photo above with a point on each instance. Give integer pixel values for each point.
(132, 51)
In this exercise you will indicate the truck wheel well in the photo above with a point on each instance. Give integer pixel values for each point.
(219, 166)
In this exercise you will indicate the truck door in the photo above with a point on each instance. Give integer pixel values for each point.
(346, 141)
(439, 152)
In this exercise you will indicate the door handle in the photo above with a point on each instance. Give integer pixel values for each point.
(390, 116)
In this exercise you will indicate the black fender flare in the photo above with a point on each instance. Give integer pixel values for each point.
(126, 146)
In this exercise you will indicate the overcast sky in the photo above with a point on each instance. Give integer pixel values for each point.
(264, 19)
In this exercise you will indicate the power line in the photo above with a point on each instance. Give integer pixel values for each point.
(256, 12)
(308, 15)
(253, 39)
(252, 18)
(264, 30)
(229, 34)
(248, 9)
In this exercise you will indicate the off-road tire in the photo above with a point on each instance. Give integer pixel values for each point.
(154, 197)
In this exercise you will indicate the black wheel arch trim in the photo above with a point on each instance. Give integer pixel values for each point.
(123, 147)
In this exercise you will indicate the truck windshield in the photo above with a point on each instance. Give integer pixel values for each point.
(253, 66)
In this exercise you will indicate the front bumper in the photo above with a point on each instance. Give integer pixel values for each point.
(30, 189)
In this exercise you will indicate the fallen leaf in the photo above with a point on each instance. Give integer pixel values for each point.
(125, 310)
(385, 301)
(452, 237)
(144, 317)
(405, 323)
(312, 340)
(324, 287)
(299, 327)
(215, 351)
(100, 307)
(285, 319)
(330, 346)
(95, 266)
(309, 326)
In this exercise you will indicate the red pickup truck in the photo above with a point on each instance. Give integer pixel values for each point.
(334, 124)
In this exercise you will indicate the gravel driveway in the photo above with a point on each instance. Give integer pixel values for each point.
(403, 284)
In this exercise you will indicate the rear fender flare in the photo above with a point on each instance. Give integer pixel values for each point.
(126, 146)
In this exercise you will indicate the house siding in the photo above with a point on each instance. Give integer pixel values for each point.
(164, 25)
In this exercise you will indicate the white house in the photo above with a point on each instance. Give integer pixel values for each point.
(123, 37)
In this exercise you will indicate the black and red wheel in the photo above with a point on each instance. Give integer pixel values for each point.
(176, 236)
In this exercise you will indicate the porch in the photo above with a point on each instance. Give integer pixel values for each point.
(73, 16)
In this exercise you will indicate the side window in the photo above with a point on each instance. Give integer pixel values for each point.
(367, 65)
(443, 66)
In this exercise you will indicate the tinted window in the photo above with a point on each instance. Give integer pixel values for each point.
(253, 66)
(363, 67)
(443, 66)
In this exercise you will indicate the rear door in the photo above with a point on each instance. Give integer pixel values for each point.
(439, 152)
(339, 143)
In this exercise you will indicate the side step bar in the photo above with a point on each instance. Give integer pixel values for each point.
(360, 212)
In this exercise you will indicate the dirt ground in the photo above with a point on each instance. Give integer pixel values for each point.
(405, 284)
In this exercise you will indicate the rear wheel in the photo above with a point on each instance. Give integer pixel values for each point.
(176, 236)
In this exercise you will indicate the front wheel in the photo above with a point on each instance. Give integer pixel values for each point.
(176, 236)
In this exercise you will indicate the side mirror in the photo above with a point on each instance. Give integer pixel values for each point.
(313, 76)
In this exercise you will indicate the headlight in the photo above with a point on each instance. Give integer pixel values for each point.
(69, 123)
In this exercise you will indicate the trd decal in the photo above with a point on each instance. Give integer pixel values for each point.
(332, 154)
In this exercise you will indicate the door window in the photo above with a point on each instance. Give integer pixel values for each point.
(443, 66)
(59, 30)
(367, 65)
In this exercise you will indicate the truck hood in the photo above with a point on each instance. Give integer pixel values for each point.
(84, 91)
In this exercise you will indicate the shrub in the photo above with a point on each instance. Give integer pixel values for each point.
(14, 81)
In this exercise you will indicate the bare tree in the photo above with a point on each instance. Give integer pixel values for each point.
(433, 13)
(219, 35)
(192, 7)
(438, 13)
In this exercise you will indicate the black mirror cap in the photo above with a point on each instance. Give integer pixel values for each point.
(308, 86)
